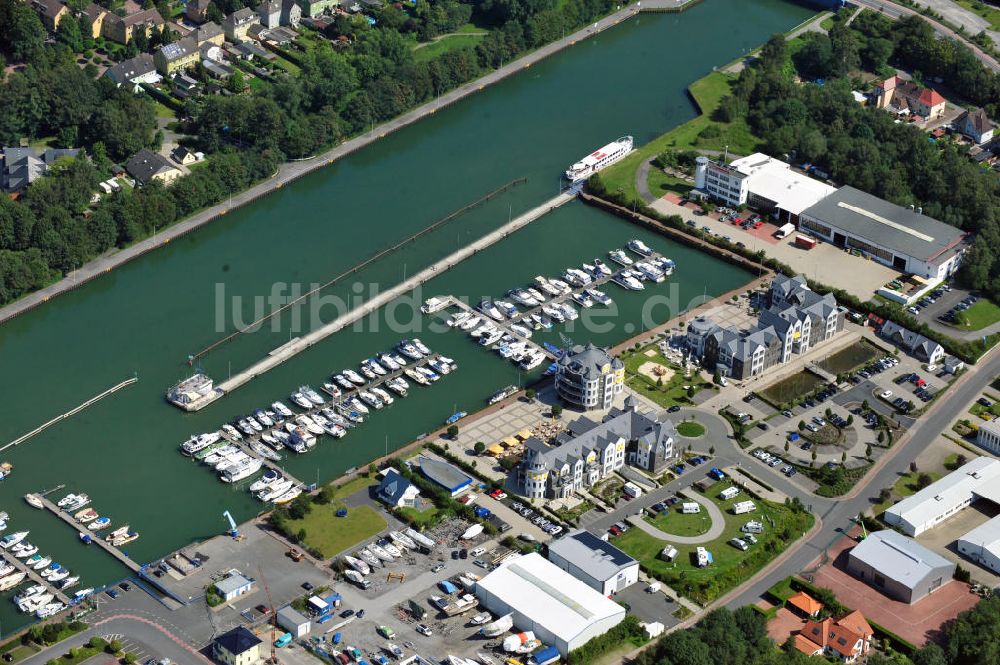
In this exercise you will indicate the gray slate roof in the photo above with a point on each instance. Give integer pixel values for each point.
(927, 237)
(899, 558)
(393, 487)
(444, 474)
(145, 164)
(588, 360)
(131, 69)
(595, 557)
(22, 166)
(237, 641)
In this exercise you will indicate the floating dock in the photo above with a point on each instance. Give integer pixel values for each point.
(36, 578)
(95, 538)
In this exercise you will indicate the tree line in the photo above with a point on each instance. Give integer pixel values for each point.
(338, 93)
(863, 146)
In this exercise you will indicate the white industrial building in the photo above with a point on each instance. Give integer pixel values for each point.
(561, 610)
(988, 436)
(982, 545)
(596, 562)
(898, 237)
(762, 182)
(978, 479)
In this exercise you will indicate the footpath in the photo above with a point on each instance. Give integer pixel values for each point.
(291, 171)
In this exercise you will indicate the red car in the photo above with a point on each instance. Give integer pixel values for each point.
(758, 224)
(615, 531)
(737, 221)
(498, 494)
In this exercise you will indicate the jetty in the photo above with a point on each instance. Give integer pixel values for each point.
(71, 412)
(300, 344)
(36, 578)
(96, 539)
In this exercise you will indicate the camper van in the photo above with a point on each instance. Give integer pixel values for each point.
(632, 490)
(729, 493)
(690, 507)
(743, 507)
(703, 556)
(752, 527)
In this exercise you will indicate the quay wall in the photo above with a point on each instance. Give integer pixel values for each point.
(289, 172)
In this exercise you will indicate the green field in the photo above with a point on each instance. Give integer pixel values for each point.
(430, 50)
(980, 315)
(691, 429)
(791, 388)
(676, 523)
(421, 518)
(707, 93)
(731, 566)
(330, 535)
(849, 359)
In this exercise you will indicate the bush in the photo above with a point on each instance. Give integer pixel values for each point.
(627, 631)
(97, 642)
(479, 447)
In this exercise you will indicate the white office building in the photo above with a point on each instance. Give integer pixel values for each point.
(989, 436)
(561, 610)
(589, 378)
(978, 479)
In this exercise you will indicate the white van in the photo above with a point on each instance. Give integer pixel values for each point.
(632, 490)
(690, 507)
(752, 527)
(743, 507)
(653, 588)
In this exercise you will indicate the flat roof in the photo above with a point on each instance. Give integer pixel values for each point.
(548, 596)
(986, 536)
(775, 180)
(234, 582)
(897, 557)
(973, 478)
(595, 557)
(887, 224)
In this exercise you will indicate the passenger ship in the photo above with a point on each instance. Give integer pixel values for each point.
(599, 159)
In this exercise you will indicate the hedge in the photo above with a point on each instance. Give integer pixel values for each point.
(628, 630)
(162, 97)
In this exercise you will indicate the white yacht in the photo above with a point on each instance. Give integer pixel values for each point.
(270, 477)
(620, 257)
(274, 491)
(421, 347)
(547, 286)
(386, 360)
(343, 382)
(639, 247)
(561, 285)
(13, 539)
(309, 424)
(300, 400)
(554, 313)
(649, 271)
(410, 350)
(665, 264)
(312, 395)
(354, 377)
(599, 296)
(583, 299)
(599, 159)
(383, 395)
(626, 279)
(435, 304)
(508, 309)
(370, 399)
(569, 311)
(457, 318)
(521, 330)
(198, 442)
(602, 268)
(240, 471)
(489, 309)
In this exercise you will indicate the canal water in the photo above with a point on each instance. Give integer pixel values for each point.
(146, 317)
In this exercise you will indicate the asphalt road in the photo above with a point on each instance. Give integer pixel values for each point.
(837, 515)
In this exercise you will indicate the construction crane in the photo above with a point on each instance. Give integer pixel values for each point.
(273, 660)
(233, 531)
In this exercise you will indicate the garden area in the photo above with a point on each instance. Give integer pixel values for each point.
(691, 429)
(790, 389)
(647, 371)
(610, 490)
(983, 313)
(834, 479)
(675, 522)
(783, 524)
(851, 358)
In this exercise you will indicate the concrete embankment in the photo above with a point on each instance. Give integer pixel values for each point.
(292, 171)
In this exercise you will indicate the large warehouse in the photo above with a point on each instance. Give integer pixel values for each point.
(982, 545)
(978, 479)
(598, 563)
(898, 566)
(561, 610)
(903, 239)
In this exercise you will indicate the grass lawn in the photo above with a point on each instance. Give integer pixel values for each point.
(430, 50)
(849, 359)
(991, 14)
(671, 391)
(660, 183)
(571, 514)
(707, 93)
(331, 534)
(980, 315)
(675, 522)
(691, 429)
(985, 412)
(795, 386)
(421, 518)
(731, 566)
(164, 111)
(353, 485)
(904, 487)
(20, 652)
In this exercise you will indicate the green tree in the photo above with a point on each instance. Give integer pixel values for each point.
(530, 394)
(452, 432)
(22, 32)
(69, 34)
(557, 410)
(868, 451)
(479, 447)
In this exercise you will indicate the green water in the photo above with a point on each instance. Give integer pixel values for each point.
(147, 316)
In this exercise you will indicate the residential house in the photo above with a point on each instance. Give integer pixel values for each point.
(197, 10)
(901, 96)
(219, 70)
(209, 33)
(237, 647)
(975, 125)
(847, 639)
(175, 57)
(796, 319)
(238, 23)
(95, 15)
(314, 8)
(22, 166)
(183, 156)
(134, 72)
(122, 29)
(183, 86)
(146, 166)
(51, 12)
(291, 13)
(590, 451)
(397, 491)
(269, 13)
(921, 347)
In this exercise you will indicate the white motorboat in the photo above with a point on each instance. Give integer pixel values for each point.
(547, 286)
(300, 400)
(27, 550)
(309, 424)
(569, 311)
(626, 279)
(387, 362)
(33, 590)
(99, 523)
(312, 395)
(13, 539)
(354, 377)
(276, 489)
(256, 426)
(410, 350)
(599, 296)
(332, 390)
(397, 385)
(421, 347)
(383, 395)
(68, 582)
(583, 299)
(387, 545)
(30, 605)
(535, 294)
(270, 477)
(665, 264)
(470, 323)
(439, 367)
(369, 557)
(343, 382)
(66, 500)
(620, 257)
(602, 268)
(6, 568)
(491, 337)
(582, 278)
(380, 552)
(416, 376)
(195, 443)
(49, 610)
(457, 318)
(398, 359)
(370, 399)
(554, 313)
(435, 304)
(10, 581)
(355, 403)
(522, 297)
(533, 360)
(508, 309)
(489, 309)
(240, 470)
(39, 562)
(59, 575)
(375, 366)
(357, 564)
(34, 501)
(232, 432)
(561, 285)
(520, 330)
(648, 271)
(403, 540)
(639, 247)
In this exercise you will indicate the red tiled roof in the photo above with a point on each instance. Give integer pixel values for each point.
(930, 97)
(806, 646)
(806, 603)
(856, 622)
(843, 640)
